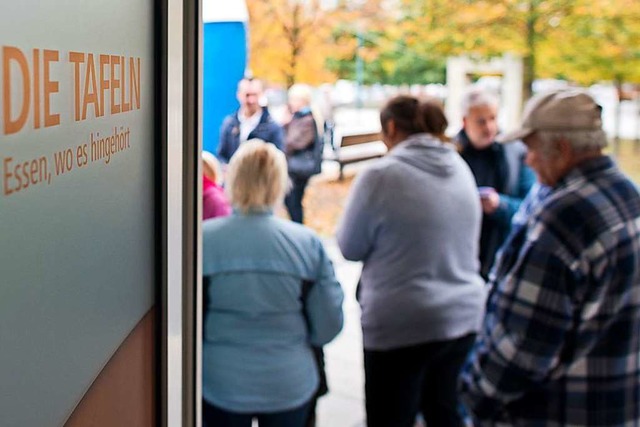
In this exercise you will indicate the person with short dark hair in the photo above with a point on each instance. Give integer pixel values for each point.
(252, 120)
(413, 219)
(560, 343)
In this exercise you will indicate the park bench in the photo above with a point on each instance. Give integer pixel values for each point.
(355, 147)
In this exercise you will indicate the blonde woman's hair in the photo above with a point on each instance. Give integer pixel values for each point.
(257, 176)
(211, 167)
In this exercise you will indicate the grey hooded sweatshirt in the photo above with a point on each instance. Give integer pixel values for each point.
(414, 218)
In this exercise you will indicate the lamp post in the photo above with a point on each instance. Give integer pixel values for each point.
(359, 5)
(359, 68)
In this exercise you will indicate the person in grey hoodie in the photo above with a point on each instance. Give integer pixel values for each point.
(414, 220)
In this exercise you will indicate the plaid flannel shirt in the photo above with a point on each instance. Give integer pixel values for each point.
(560, 343)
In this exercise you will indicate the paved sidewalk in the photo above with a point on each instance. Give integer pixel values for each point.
(344, 405)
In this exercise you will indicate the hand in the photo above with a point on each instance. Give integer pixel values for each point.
(490, 201)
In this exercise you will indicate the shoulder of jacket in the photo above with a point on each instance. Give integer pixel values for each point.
(214, 225)
(266, 116)
(306, 120)
(378, 171)
(230, 120)
(268, 121)
(299, 232)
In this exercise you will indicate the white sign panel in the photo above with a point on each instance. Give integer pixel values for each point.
(76, 196)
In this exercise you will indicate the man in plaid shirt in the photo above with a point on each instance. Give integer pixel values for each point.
(560, 343)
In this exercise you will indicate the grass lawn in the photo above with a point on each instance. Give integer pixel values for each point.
(628, 158)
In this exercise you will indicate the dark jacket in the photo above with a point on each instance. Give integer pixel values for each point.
(301, 132)
(303, 145)
(502, 167)
(267, 130)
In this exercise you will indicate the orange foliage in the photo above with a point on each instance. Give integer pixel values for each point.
(289, 41)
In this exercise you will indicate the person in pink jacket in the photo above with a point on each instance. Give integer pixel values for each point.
(214, 201)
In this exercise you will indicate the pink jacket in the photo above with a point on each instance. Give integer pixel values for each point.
(214, 201)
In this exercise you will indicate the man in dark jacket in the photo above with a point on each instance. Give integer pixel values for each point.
(502, 177)
(250, 121)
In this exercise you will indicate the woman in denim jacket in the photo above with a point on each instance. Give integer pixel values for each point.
(270, 295)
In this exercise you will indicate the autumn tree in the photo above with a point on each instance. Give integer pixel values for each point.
(359, 36)
(420, 38)
(408, 41)
(288, 40)
(605, 46)
(418, 35)
(487, 28)
(581, 40)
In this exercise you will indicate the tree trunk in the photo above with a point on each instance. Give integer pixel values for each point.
(637, 141)
(529, 60)
(616, 118)
(528, 70)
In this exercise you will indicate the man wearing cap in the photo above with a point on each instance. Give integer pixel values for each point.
(250, 121)
(560, 342)
(502, 177)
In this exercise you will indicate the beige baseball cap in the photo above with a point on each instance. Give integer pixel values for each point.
(557, 111)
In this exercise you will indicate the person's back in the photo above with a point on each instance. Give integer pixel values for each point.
(593, 224)
(426, 220)
(266, 257)
(413, 218)
(560, 343)
(270, 295)
(302, 147)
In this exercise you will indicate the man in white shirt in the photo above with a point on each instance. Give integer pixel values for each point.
(250, 121)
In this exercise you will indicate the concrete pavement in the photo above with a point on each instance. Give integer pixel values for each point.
(343, 406)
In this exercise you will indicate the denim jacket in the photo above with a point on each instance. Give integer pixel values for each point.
(267, 130)
(257, 341)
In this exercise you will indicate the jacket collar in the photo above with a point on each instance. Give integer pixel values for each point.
(586, 169)
(265, 117)
(465, 143)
